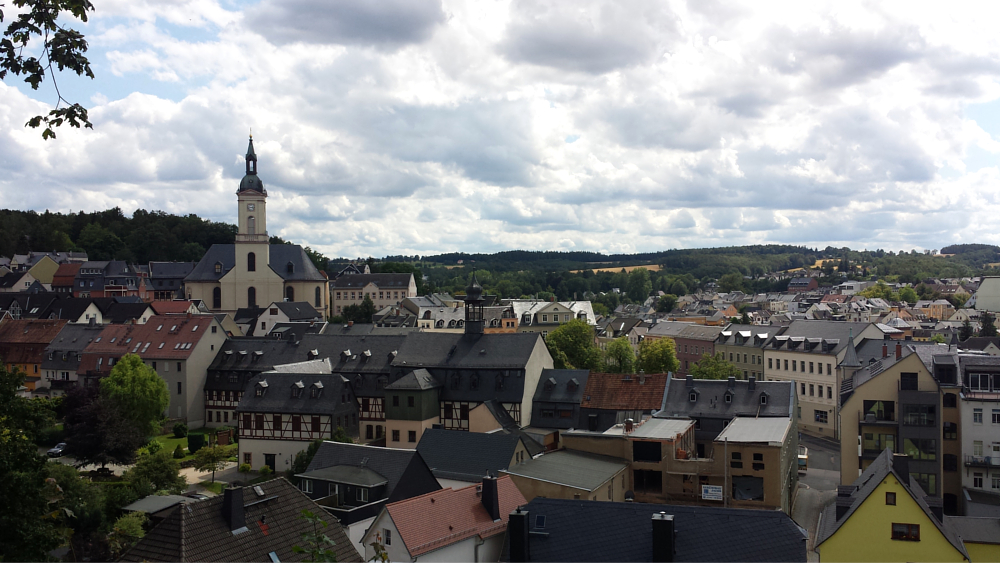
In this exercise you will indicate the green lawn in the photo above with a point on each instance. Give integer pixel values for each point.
(170, 443)
(215, 487)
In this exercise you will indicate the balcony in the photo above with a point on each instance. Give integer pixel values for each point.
(981, 461)
(871, 420)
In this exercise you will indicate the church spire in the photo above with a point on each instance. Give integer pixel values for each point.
(251, 158)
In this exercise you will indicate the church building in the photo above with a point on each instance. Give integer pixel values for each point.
(252, 272)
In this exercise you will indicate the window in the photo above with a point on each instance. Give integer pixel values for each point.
(770, 363)
(411, 436)
(251, 297)
(395, 435)
(316, 298)
(908, 532)
(251, 262)
(977, 480)
(950, 431)
(306, 485)
(811, 390)
(296, 423)
(247, 458)
(290, 293)
(977, 448)
(361, 495)
(178, 366)
(977, 416)
(793, 365)
(828, 372)
(908, 382)
(949, 400)
(950, 462)
(996, 481)
(803, 393)
(178, 387)
(395, 400)
(387, 533)
(216, 299)
(737, 460)
(368, 432)
(811, 367)
(410, 401)
(786, 364)
(821, 416)
(890, 499)
(920, 448)
(996, 416)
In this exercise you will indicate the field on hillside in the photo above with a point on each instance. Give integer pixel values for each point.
(615, 269)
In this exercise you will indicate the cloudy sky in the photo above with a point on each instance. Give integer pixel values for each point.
(424, 126)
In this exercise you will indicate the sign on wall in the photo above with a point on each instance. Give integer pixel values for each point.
(711, 492)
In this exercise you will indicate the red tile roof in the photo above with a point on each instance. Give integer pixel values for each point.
(24, 341)
(447, 516)
(616, 391)
(65, 274)
(161, 338)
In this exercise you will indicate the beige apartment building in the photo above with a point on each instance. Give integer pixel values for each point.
(385, 290)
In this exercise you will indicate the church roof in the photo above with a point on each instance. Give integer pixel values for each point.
(280, 256)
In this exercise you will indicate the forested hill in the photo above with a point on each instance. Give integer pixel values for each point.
(144, 237)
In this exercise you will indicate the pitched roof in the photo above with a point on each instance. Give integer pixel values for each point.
(579, 470)
(865, 485)
(65, 274)
(277, 396)
(24, 341)
(170, 269)
(466, 456)
(444, 517)
(297, 310)
(382, 281)
(198, 531)
(555, 385)
(416, 380)
(615, 391)
(744, 402)
(390, 463)
(166, 307)
(581, 530)
(744, 429)
(279, 256)
(120, 313)
(975, 529)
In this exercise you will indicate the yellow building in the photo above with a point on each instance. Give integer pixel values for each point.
(885, 516)
(252, 272)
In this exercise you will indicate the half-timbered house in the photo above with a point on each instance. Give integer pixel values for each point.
(285, 409)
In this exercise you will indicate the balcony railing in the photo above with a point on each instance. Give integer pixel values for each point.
(982, 461)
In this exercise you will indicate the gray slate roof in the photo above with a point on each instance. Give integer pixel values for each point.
(198, 531)
(553, 385)
(711, 398)
(298, 310)
(416, 380)
(570, 468)
(976, 530)
(390, 463)
(280, 256)
(277, 397)
(466, 456)
(347, 474)
(580, 530)
(383, 281)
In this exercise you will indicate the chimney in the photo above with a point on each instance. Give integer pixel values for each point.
(663, 537)
(628, 425)
(844, 500)
(731, 384)
(885, 350)
(901, 463)
(899, 350)
(491, 497)
(689, 381)
(232, 508)
(350, 323)
(92, 322)
(936, 504)
(752, 382)
(517, 531)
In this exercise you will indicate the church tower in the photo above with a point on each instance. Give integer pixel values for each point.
(252, 246)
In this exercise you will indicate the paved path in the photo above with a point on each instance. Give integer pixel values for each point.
(817, 486)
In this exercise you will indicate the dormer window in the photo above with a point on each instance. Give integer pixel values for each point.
(729, 398)
(572, 384)
(218, 267)
(693, 397)
(763, 398)
(290, 268)
(316, 390)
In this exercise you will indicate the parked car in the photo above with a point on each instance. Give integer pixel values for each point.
(803, 458)
(197, 496)
(57, 451)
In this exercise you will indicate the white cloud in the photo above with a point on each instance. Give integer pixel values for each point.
(419, 127)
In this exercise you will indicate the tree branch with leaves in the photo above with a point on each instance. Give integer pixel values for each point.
(62, 48)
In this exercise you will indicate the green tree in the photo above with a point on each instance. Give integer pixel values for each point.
(245, 469)
(966, 331)
(714, 367)
(61, 47)
(666, 303)
(880, 290)
(138, 392)
(213, 458)
(658, 355)
(988, 326)
(939, 338)
(159, 470)
(97, 431)
(126, 531)
(100, 243)
(908, 294)
(361, 314)
(619, 356)
(573, 345)
(678, 288)
(26, 533)
(639, 285)
(732, 281)
(318, 544)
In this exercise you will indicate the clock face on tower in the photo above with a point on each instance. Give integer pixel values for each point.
(249, 207)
